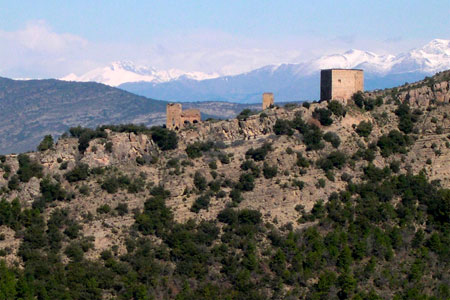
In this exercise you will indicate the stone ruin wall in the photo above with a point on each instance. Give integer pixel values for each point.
(176, 117)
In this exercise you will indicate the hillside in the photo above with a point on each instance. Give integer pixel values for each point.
(319, 201)
(31, 109)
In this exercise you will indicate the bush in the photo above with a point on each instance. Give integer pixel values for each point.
(298, 183)
(358, 99)
(78, 173)
(85, 135)
(323, 115)
(213, 165)
(243, 115)
(249, 216)
(156, 218)
(109, 147)
(364, 129)
(122, 209)
(165, 139)
(224, 158)
(335, 159)
(200, 181)
(51, 191)
(306, 104)
(196, 149)
(260, 153)
(201, 202)
(336, 108)
(47, 143)
(313, 138)
(269, 171)
(246, 182)
(283, 127)
(332, 138)
(103, 209)
(28, 168)
(394, 142)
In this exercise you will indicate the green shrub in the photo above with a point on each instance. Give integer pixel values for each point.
(269, 171)
(283, 127)
(201, 202)
(323, 115)
(332, 138)
(213, 165)
(243, 115)
(46, 143)
(111, 185)
(224, 158)
(78, 173)
(196, 149)
(364, 128)
(122, 209)
(260, 153)
(246, 182)
(165, 139)
(313, 138)
(336, 108)
(302, 161)
(28, 168)
(335, 159)
(358, 99)
(298, 183)
(394, 142)
(200, 181)
(104, 209)
(109, 147)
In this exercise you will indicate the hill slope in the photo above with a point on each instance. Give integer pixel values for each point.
(33, 108)
(303, 202)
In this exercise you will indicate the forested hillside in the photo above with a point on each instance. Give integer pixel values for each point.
(312, 201)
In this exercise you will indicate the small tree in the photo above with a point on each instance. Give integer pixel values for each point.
(323, 115)
(336, 108)
(47, 143)
(364, 129)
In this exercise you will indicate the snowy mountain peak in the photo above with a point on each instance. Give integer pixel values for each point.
(119, 72)
(432, 57)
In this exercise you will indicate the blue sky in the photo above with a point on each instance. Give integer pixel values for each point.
(53, 38)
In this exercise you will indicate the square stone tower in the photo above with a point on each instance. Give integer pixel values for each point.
(267, 100)
(173, 116)
(340, 84)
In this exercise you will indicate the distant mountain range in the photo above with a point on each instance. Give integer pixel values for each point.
(30, 109)
(125, 71)
(289, 82)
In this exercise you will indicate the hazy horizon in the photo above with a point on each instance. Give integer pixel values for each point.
(52, 40)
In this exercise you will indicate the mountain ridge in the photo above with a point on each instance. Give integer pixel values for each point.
(293, 82)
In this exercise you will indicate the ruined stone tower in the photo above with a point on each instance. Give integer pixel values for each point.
(176, 118)
(340, 84)
(173, 115)
(267, 100)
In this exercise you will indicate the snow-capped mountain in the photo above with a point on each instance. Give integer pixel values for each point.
(431, 58)
(124, 71)
(301, 81)
(288, 81)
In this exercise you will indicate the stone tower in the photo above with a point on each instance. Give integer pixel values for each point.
(340, 84)
(173, 116)
(267, 100)
(176, 118)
